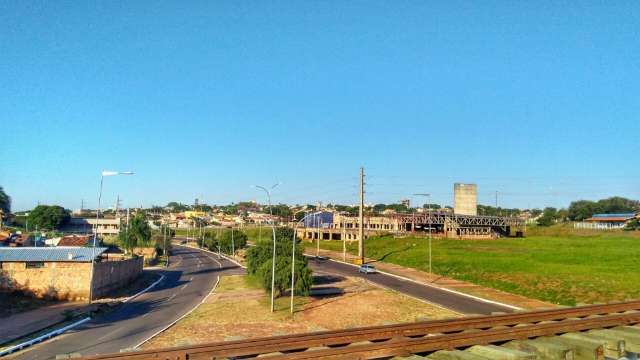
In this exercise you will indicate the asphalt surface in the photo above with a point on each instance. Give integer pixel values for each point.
(188, 280)
(459, 303)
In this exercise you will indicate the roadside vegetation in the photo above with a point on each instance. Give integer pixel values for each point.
(259, 264)
(227, 241)
(553, 264)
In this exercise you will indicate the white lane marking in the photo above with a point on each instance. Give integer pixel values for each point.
(171, 297)
(184, 315)
(184, 286)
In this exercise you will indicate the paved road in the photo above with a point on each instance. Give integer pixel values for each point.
(459, 303)
(189, 279)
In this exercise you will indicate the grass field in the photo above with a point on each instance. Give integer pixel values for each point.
(551, 264)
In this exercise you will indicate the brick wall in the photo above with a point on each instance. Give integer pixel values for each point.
(69, 280)
(110, 275)
(60, 280)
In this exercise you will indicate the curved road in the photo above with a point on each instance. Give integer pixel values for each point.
(188, 280)
(456, 302)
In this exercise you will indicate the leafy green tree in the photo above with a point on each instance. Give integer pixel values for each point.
(259, 262)
(5, 201)
(230, 240)
(549, 216)
(584, 209)
(48, 217)
(138, 233)
(278, 210)
(176, 206)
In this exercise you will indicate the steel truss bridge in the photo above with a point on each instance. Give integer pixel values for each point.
(462, 221)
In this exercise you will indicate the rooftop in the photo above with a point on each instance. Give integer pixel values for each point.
(55, 254)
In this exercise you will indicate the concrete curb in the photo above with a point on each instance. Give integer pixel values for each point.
(145, 290)
(41, 338)
(215, 253)
(434, 286)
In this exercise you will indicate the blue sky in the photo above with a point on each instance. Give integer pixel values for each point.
(537, 100)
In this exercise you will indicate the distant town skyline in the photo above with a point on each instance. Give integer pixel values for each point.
(536, 101)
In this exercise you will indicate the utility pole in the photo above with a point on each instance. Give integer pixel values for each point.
(361, 217)
(318, 242)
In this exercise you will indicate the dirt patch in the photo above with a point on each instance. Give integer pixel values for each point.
(239, 310)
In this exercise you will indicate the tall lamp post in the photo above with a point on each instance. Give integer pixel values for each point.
(273, 231)
(103, 174)
(429, 215)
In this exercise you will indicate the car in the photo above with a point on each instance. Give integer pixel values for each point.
(367, 269)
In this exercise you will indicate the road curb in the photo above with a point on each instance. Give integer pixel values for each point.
(41, 338)
(215, 253)
(145, 290)
(434, 286)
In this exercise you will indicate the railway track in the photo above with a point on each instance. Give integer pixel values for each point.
(406, 339)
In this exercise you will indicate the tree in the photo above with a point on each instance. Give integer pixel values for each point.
(138, 233)
(229, 241)
(259, 263)
(5, 202)
(176, 206)
(549, 216)
(48, 217)
(583, 209)
(279, 210)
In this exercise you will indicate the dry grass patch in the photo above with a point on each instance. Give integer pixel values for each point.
(239, 309)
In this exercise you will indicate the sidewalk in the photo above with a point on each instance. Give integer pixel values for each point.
(22, 324)
(448, 283)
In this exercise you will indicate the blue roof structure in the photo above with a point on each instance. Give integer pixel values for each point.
(627, 215)
(50, 254)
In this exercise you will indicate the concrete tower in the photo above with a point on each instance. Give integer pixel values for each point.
(465, 199)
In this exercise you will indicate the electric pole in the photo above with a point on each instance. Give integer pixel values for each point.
(361, 229)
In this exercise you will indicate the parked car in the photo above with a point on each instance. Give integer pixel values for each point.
(367, 269)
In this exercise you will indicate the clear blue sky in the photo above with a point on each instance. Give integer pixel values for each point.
(538, 100)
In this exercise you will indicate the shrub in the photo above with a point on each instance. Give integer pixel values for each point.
(259, 263)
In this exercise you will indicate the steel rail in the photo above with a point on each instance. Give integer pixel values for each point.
(300, 342)
(406, 347)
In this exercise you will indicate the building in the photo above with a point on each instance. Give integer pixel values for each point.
(87, 225)
(606, 221)
(406, 203)
(64, 273)
(194, 214)
(465, 199)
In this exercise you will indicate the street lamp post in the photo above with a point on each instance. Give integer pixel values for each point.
(95, 233)
(273, 231)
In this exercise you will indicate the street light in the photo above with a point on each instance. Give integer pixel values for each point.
(273, 230)
(429, 217)
(103, 174)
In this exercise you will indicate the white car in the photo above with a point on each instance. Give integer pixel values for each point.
(367, 269)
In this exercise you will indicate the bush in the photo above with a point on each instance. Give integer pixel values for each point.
(259, 263)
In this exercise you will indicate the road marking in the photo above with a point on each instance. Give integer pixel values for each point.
(171, 298)
(184, 286)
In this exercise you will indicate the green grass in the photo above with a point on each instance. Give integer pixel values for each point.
(569, 269)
